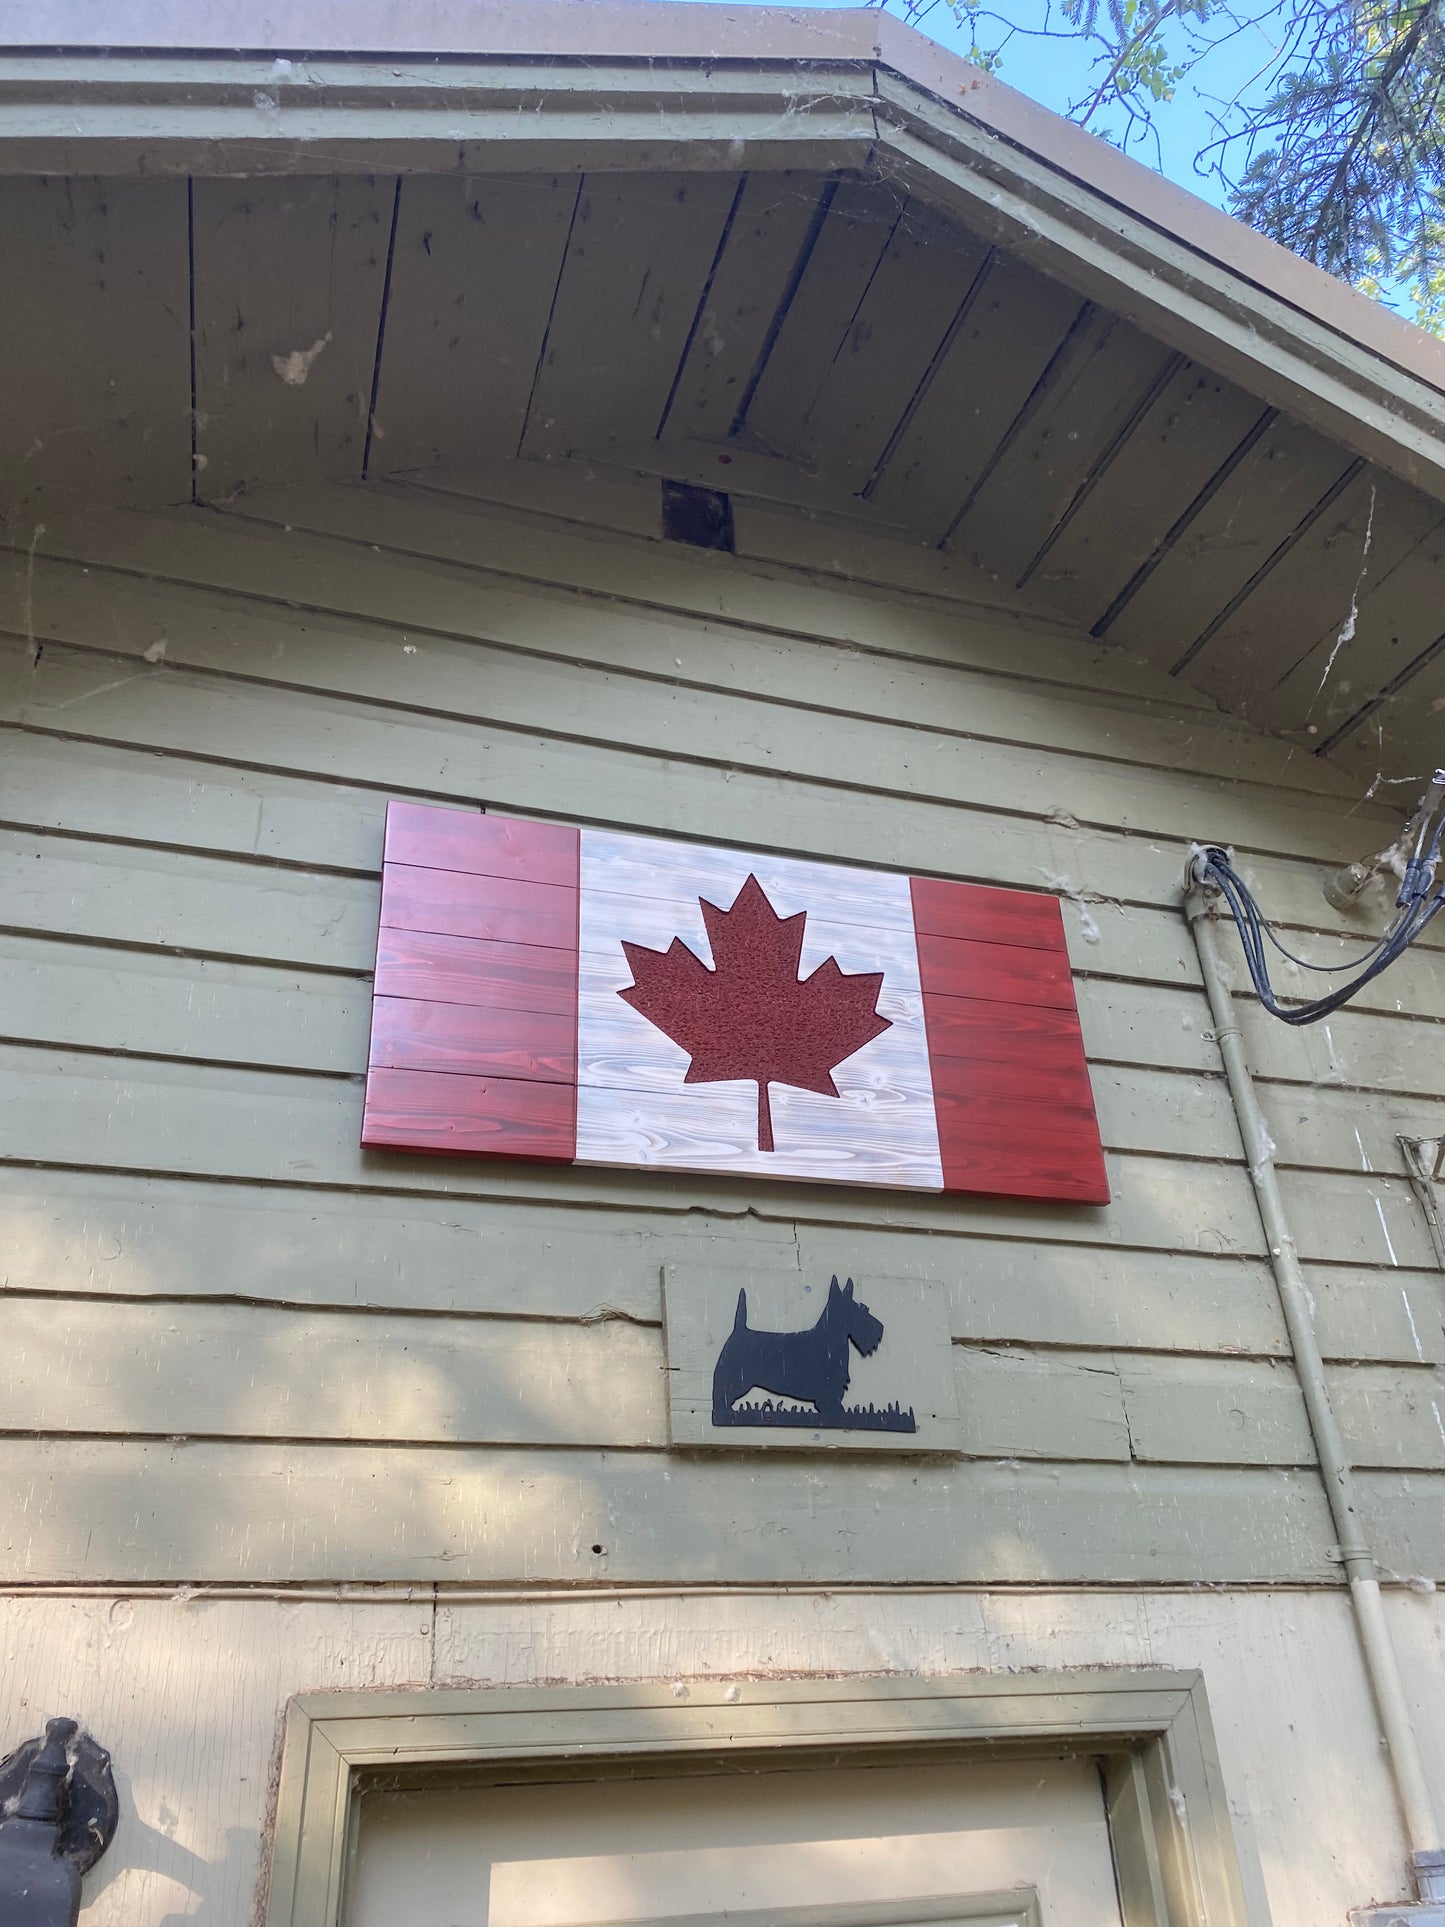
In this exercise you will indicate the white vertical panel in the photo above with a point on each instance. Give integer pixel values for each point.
(633, 1106)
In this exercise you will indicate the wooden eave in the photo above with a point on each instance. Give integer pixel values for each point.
(687, 87)
(1317, 424)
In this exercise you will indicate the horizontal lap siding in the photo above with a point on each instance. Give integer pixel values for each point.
(404, 1367)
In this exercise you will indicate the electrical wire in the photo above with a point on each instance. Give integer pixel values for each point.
(1330, 970)
(1418, 903)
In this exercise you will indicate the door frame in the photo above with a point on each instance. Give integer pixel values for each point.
(1173, 1845)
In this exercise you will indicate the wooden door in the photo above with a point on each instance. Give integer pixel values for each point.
(1000, 1844)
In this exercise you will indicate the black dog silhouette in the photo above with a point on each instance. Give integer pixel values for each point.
(807, 1365)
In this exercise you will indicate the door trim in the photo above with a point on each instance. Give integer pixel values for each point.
(1173, 1845)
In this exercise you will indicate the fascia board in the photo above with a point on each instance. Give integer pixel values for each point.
(133, 113)
(589, 29)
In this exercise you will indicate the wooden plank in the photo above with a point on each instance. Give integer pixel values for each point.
(472, 971)
(467, 1053)
(1391, 1418)
(132, 1236)
(1158, 479)
(659, 879)
(408, 1034)
(201, 1121)
(1273, 497)
(452, 1115)
(84, 787)
(1022, 1405)
(243, 910)
(244, 1371)
(1030, 1038)
(55, 783)
(1307, 597)
(628, 293)
(1056, 1079)
(250, 913)
(1346, 1130)
(1095, 390)
(860, 222)
(496, 909)
(992, 1149)
(1031, 1290)
(641, 715)
(193, 906)
(1127, 940)
(1188, 1412)
(1406, 1520)
(1392, 1314)
(132, 1001)
(985, 916)
(765, 247)
(129, 1235)
(643, 1116)
(284, 362)
(52, 783)
(909, 312)
(1398, 727)
(1372, 1221)
(484, 846)
(474, 271)
(1185, 1113)
(989, 371)
(674, 1131)
(994, 972)
(97, 353)
(257, 554)
(219, 631)
(774, 540)
(1354, 1047)
(88, 1510)
(1398, 616)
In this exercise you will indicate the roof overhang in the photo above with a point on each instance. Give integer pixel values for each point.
(167, 88)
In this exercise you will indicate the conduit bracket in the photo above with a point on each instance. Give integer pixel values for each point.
(1424, 1158)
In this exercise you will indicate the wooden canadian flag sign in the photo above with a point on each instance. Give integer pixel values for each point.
(588, 997)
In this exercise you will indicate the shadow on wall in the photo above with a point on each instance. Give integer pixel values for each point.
(219, 1889)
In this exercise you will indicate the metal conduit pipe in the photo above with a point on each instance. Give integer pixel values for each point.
(1381, 1664)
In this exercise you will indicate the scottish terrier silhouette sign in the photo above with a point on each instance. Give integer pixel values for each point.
(760, 1359)
(810, 1367)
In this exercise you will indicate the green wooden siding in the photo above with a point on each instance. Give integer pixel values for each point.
(239, 1347)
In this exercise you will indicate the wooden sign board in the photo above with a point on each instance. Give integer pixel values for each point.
(589, 997)
(757, 1362)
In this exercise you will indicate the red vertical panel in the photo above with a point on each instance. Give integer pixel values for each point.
(474, 1014)
(1010, 1079)
(493, 846)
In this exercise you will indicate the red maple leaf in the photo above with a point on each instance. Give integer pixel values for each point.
(751, 1016)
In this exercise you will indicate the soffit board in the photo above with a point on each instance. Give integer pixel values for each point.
(1024, 349)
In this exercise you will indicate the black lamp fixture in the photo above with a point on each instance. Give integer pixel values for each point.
(58, 1813)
